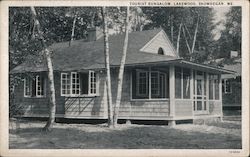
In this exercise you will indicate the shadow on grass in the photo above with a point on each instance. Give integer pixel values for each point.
(133, 137)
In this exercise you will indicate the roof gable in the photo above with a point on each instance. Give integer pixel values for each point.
(160, 41)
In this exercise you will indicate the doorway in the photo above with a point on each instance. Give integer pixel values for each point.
(200, 92)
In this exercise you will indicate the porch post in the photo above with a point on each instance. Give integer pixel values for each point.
(207, 91)
(172, 94)
(220, 96)
(192, 90)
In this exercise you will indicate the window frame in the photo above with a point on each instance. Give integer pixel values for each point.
(148, 73)
(29, 86)
(70, 74)
(96, 83)
(42, 80)
(76, 83)
(42, 84)
(224, 84)
(158, 82)
(182, 83)
(66, 85)
(138, 72)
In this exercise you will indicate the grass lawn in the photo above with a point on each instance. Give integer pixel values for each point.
(221, 135)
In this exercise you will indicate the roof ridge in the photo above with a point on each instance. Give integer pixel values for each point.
(112, 35)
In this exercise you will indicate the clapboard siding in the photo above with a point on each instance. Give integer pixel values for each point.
(141, 109)
(88, 107)
(38, 105)
(183, 108)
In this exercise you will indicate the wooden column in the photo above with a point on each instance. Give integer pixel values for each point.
(172, 94)
(207, 91)
(220, 96)
(192, 90)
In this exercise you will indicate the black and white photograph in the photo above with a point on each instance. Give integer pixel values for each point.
(147, 75)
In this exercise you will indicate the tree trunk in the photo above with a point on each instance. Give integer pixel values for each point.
(108, 79)
(121, 71)
(195, 34)
(73, 31)
(178, 40)
(185, 37)
(172, 29)
(187, 31)
(47, 52)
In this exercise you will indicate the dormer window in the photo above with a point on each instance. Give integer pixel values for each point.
(160, 51)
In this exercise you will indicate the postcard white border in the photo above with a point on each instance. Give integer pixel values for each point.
(4, 62)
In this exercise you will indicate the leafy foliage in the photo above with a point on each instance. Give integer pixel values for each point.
(230, 39)
(56, 23)
(163, 17)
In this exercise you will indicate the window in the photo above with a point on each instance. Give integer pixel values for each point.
(226, 86)
(214, 93)
(65, 84)
(142, 83)
(27, 87)
(34, 86)
(182, 83)
(149, 84)
(160, 51)
(155, 84)
(92, 82)
(74, 84)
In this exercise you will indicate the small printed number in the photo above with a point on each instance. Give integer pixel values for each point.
(234, 151)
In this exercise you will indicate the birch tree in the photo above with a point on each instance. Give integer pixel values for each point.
(47, 53)
(107, 66)
(161, 17)
(121, 70)
(178, 39)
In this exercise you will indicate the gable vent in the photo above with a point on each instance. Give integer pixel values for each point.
(160, 51)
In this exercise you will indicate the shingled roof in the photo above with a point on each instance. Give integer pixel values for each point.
(83, 55)
(236, 66)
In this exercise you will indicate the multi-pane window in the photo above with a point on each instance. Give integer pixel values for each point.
(226, 86)
(65, 83)
(182, 83)
(92, 82)
(34, 86)
(149, 84)
(155, 84)
(27, 87)
(142, 83)
(214, 87)
(39, 86)
(74, 83)
(158, 85)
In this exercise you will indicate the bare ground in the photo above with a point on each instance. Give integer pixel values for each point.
(221, 135)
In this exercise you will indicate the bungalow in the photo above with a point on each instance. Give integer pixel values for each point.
(157, 85)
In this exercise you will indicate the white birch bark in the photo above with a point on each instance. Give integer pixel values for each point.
(121, 71)
(47, 52)
(107, 66)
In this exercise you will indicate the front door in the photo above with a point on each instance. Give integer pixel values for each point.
(200, 93)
